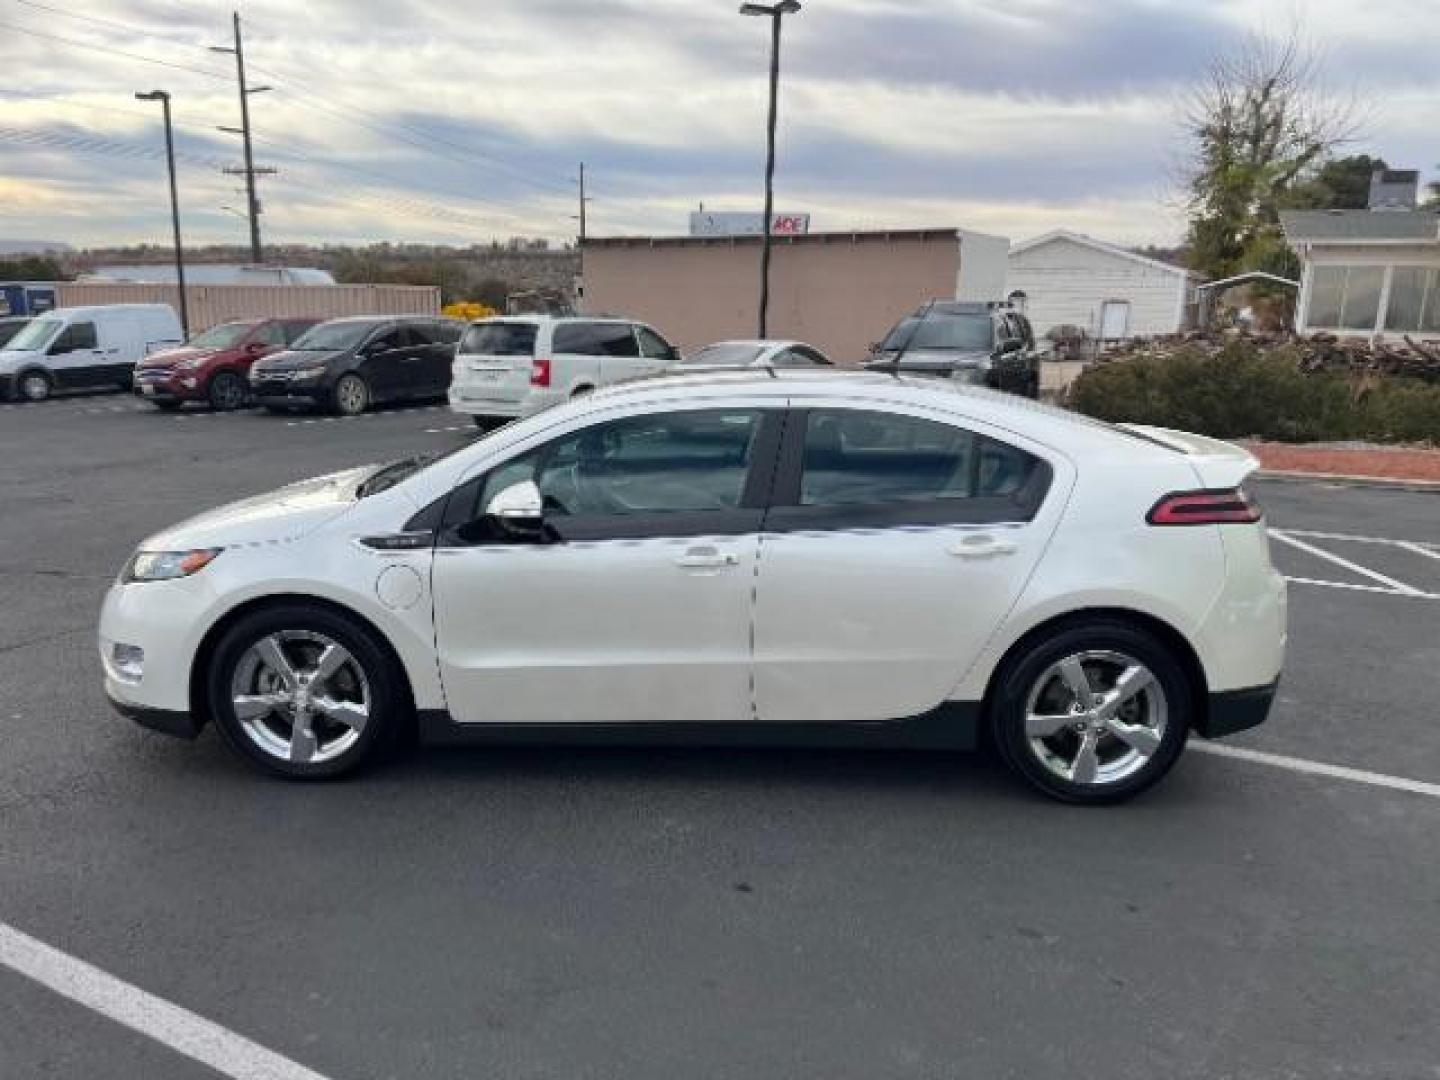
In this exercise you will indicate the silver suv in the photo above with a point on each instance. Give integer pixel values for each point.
(508, 368)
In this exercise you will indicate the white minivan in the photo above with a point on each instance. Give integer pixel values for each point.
(70, 348)
(507, 368)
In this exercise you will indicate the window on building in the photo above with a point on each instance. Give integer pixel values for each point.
(1345, 297)
(1414, 301)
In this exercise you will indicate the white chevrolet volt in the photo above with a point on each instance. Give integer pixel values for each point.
(848, 559)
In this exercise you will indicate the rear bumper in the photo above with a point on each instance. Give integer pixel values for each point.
(1231, 711)
(470, 403)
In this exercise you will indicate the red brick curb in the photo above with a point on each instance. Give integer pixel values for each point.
(1402, 464)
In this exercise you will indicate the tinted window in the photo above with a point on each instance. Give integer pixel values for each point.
(943, 331)
(448, 331)
(670, 462)
(652, 345)
(499, 339)
(294, 330)
(344, 334)
(271, 334)
(76, 336)
(596, 339)
(859, 458)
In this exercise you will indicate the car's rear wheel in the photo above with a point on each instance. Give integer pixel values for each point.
(351, 395)
(33, 386)
(1095, 713)
(227, 391)
(305, 692)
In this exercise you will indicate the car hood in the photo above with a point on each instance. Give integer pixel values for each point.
(167, 357)
(12, 360)
(939, 358)
(288, 360)
(287, 513)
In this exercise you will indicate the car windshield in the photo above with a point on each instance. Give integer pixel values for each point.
(333, 335)
(499, 339)
(958, 332)
(727, 353)
(224, 336)
(37, 335)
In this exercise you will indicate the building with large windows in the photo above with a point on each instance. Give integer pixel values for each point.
(1368, 273)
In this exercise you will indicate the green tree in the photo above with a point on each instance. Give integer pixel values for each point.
(1339, 184)
(32, 268)
(1260, 126)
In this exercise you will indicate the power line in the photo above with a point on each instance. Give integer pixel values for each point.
(113, 52)
(129, 28)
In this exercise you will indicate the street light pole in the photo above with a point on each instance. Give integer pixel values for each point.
(164, 99)
(776, 13)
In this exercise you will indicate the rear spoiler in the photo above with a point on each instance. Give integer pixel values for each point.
(1219, 464)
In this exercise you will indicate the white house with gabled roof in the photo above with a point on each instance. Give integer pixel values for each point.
(1069, 278)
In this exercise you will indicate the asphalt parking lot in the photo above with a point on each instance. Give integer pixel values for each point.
(673, 913)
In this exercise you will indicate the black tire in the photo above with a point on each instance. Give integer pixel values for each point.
(389, 706)
(581, 391)
(167, 406)
(351, 395)
(1025, 673)
(33, 385)
(277, 410)
(227, 392)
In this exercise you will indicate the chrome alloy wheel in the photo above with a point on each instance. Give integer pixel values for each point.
(1095, 718)
(351, 395)
(34, 387)
(300, 697)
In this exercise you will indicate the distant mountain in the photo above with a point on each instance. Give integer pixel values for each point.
(34, 247)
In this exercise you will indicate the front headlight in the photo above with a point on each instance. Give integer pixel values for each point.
(308, 373)
(168, 565)
(190, 365)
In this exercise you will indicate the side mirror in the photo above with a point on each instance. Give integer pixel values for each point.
(518, 510)
(255, 348)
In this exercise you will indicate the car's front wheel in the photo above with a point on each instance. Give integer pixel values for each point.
(305, 692)
(1095, 713)
(351, 395)
(33, 386)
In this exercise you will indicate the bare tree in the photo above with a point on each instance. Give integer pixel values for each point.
(1259, 124)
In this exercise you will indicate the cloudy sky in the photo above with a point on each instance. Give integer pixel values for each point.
(459, 122)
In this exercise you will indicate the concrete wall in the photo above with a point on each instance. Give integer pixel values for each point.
(211, 304)
(838, 291)
(1067, 283)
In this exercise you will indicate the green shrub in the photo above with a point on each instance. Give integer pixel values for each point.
(1247, 391)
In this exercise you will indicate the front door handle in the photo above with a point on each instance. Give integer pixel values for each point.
(707, 558)
(982, 547)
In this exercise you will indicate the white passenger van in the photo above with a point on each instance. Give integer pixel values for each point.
(513, 367)
(71, 348)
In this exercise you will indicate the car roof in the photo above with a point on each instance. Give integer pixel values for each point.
(537, 319)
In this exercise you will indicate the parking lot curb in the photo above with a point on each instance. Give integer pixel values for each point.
(1386, 482)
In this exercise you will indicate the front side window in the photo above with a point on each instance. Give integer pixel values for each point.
(388, 341)
(293, 331)
(862, 468)
(80, 335)
(652, 345)
(270, 334)
(658, 464)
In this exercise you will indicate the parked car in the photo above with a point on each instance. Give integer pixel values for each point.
(514, 367)
(9, 328)
(348, 365)
(980, 344)
(760, 354)
(214, 367)
(940, 565)
(70, 348)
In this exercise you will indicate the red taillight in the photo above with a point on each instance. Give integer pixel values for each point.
(1230, 506)
(540, 373)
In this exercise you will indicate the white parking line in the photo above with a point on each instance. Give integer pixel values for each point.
(1395, 588)
(181, 1030)
(1311, 535)
(1320, 768)
(1352, 587)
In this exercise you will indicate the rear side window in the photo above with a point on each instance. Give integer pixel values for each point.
(596, 339)
(652, 345)
(499, 339)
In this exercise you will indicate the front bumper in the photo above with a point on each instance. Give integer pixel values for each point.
(182, 725)
(1230, 711)
(287, 392)
(170, 386)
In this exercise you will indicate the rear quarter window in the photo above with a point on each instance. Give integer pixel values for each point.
(499, 339)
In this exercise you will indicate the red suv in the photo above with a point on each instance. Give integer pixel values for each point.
(214, 367)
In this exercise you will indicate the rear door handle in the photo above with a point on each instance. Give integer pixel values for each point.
(707, 558)
(982, 547)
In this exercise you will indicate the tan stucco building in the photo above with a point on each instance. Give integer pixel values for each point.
(838, 291)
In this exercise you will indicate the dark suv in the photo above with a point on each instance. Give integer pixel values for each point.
(980, 344)
(347, 365)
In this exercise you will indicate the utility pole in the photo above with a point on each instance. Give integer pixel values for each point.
(249, 171)
(164, 99)
(775, 13)
(583, 201)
